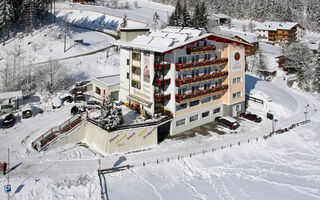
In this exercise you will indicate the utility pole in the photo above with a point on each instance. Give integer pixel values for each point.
(54, 11)
(8, 171)
(65, 42)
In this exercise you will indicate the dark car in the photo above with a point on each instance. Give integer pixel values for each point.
(228, 122)
(27, 113)
(79, 96)
(9, 121)
(68, 99)
(251, 117)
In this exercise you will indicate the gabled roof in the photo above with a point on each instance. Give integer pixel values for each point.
(9, 95)
(173, 38)
(274, 26)
(220, 16)
(247, 37)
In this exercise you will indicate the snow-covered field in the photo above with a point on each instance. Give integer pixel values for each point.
(282, 167)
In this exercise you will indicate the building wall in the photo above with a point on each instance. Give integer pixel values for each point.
(124, 70)
(236, 69)
(103, 87)
(110, 142)
(263, 35)
(131, 35)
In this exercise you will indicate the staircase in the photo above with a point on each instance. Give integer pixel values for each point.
(56, 132)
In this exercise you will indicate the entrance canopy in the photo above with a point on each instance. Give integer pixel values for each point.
(140, 100)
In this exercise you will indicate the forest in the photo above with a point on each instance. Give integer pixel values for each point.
(306, 12)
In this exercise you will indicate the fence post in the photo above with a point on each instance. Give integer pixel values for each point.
(238, 143)
(143, 164)
(230, 145)
(257, 139)
(178, 157)
(203, 152)
(248, 141)
(190, 155)
(157, 161)
(168, 159)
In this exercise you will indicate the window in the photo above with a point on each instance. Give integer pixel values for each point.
(128, 75)
(238, 107)
(206, 100)
(136, 84)
(98, 90)
(236, 80)
(216, 110)
(136, 70)
(136, 56)
(180, 122)
(182, 106)
(216, 97)
(147, 53)
(194, 103)
(193, 118)
(205, 114)
(128, 62)
(236, 95)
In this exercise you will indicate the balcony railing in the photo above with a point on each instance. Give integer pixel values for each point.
(163, 66)
(204, 63)
(162, 98)
(163, 82)
(194, 50)
(196, 79)
(200, 93)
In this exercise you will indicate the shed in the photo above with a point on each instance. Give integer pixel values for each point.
(105, 86)
(9, 100)
(221, 18)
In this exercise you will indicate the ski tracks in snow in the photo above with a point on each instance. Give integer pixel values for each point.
(150, 184)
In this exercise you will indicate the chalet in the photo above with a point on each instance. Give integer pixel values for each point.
(221, 18)
(251, 39)
(279, 32)
(84, 1)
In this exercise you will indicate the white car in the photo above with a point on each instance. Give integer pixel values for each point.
(56, 102)
(93, 105)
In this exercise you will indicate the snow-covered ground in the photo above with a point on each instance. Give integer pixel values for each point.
(283, 167)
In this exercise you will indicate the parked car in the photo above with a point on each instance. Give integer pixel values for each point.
(56, 102)
(251, 117)
(9, 121)
(27, 113)
(79, 96)
(228, 122)
(67, 98)
(93, 105)
(75, 110)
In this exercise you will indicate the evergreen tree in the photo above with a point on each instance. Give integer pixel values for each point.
(196, 16)
(203, 20)
(186, 18)
(316, 80)
(7, 13)
(124, 22)
(176, 17)
(156, 19)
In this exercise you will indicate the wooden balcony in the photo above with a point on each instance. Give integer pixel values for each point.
(204, 49)
(204, 63)
(162, 98)
(163, 66)
(200, 93)
(201, 78)
(158, 82)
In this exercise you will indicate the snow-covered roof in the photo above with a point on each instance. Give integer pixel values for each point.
(109, 80)
(171, 38)
(13, 94)
(270, 62)
(220, 16)
(274, 26)
(247, 37)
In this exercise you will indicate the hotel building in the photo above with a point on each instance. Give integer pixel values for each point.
(190, 74)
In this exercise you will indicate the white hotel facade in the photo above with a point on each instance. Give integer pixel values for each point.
(193, 75)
